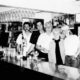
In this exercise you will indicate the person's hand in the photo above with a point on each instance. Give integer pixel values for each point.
(45, 50)
(42, 49)
(38, 47)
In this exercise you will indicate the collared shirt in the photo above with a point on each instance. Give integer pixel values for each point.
(24, 40)
(52, 56)
(44, 40)
(71, 44)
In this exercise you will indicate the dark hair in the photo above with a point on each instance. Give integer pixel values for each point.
(42, 22)
(28, 23)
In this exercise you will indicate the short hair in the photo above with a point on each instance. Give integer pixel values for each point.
(28, 23)
(40, 22)
(49, 22)
(56, 30)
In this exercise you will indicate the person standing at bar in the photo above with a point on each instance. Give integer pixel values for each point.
(44, 41)
(56, 54)
(35, 35)
(72, 47)
(23, 39)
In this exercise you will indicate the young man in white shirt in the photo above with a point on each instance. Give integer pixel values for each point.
(23, 40)
(44, 41)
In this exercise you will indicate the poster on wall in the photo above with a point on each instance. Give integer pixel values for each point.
(70, 20)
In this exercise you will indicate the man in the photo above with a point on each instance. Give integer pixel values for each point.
(23, 39)
(44, 41)
(72, 47)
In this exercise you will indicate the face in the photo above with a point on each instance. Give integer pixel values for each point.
(56, 34)
(65, 32)
(62, 35)
(48, 27)
(39, 26)
(26, 27)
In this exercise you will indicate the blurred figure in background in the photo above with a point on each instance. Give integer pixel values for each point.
(4, 36)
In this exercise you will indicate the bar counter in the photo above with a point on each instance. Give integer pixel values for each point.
(10, 65)
(15, 70)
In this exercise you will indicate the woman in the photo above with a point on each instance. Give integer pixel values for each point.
(35, 35)
(56, 54)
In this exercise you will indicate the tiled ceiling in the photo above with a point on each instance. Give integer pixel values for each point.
(8, 13)
(4, 8)
(62, 6)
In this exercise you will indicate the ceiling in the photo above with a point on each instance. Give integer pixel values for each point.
(61, 6)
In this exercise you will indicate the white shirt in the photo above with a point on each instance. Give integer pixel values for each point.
(71, 44)
(52, 56)
(44, 40)
(25, 41)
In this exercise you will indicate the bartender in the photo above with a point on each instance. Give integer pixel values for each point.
(23, 39)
